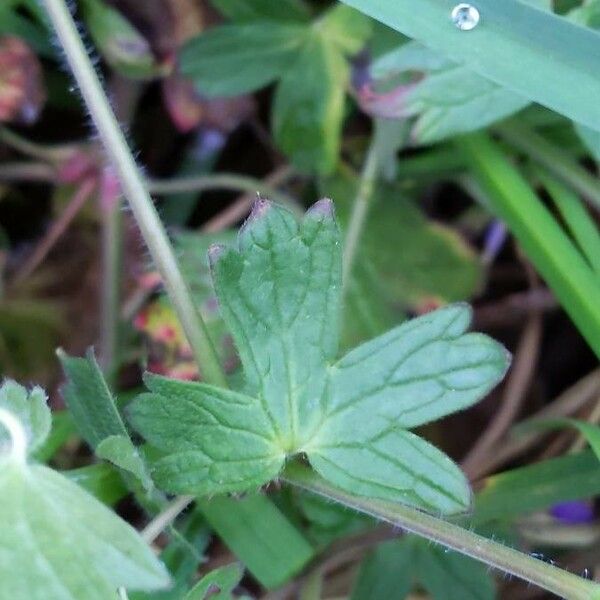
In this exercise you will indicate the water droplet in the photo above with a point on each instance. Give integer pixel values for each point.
(465, 16)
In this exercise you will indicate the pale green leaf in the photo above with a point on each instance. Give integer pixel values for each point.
(218, 584)
(119, 450)
(89, 400)
(251, 10)
(239, 58)
(59, 542)
(279, 293)
(309, 105)
(30, 408)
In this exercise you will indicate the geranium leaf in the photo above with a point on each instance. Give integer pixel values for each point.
(279, 293)
(241, 57)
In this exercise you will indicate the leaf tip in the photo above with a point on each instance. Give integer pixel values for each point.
(259, 209)
(215, 252)
(324, 208)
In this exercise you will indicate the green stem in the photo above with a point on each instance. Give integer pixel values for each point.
(112, 251)
(165, 518)
(27, 171)
(52, 154)
(360, 210)
(552, 158)
(452, 536)
(135, 191)
(225, 181)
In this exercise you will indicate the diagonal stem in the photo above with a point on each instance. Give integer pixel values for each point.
(135, 191)
(509, 560)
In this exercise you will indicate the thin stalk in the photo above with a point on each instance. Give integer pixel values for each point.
(27, 171)
(134, 190)
(509, 560)
(360, 211)
(219, 181)
(56, 230)
(165, 518)
(52, 154)
(552, 158)
(112, 253)
(548, 247)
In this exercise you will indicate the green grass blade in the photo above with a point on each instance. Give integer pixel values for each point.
(580, 224)
(515, 45)
(545, 243)
(553, 158)
(256, 531)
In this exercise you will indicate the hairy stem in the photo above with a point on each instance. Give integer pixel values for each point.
(466, 542)
(223, 181)
(135, 191)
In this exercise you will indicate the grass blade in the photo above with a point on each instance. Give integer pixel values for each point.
(546, 244)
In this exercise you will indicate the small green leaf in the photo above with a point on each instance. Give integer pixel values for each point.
(119, 450)
(89, 400)
(240, 58)
(123, 46)
(251, 10)
(101, 480)
(309, 105)
(346, 27)
(218, 584)
(274, 554)
(448, 99)
(59, 542)
(279, 293)
(30, 408)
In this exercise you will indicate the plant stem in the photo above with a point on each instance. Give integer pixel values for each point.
(27, 171)
(52, 154)
(466, 542)
(56, 230)
(360, 211)
(112, 252)
(135, 191)
(223, 181)
(165, 518)
(552, 158)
